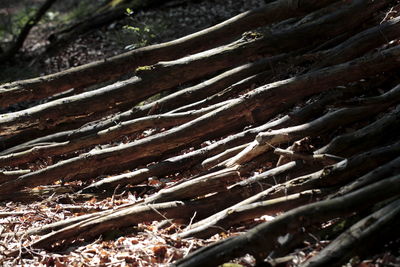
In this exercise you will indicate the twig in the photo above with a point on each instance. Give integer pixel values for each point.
(325, 159)
(162, 215)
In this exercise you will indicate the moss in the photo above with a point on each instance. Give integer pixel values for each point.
(141, 69)
(252, 35)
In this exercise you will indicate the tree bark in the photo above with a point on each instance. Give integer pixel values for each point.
(114, 67)
(261, 239)
(359, 238)
(233, 116)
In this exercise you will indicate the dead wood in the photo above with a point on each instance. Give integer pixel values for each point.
(212, 181)
(188, 160)
(262, 239)
(243, 197)
(213, 147)
(263, 186)
(9, 175)
(162, 76)
(114, 67)
(269, 140)
(200, 186)
(388, 169)
(325, 159)
(91, 225)
(164, 104)
(163, 196)
(77, 227)
(337, 174)
(66, 112)
(113, 133)
(211, 86)
(359, 44)
(229, 92)
(246, 212)
(249, 107)
(215, 160)
(359, 239)
(367, 137)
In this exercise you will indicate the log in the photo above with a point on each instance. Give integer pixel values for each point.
(212, 181)
(367, 137)
(261, 187)
(337, 174)
(187, 161)
(388, 169)
(205, 227)
(269, 140)
(112, 133)
(261, 240)
(43, 118)
(229, 92)
(241, 213)
(114, 67)
(164, 104)
(200, 186)
(96, 126)
(359, 239)
(325, 159)
(359, 44)
(152, 80)
(91, 225)
(9, 175)
(233, 116)
(66, 113)
(227, 179)
(179, 163)
(215, 160)
(211, 86)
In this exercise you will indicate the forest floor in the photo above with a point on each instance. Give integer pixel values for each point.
(155, 243)
(149, 244)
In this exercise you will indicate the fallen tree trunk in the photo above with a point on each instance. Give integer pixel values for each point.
(116, 66)
(67, 111)
(187, 161)
(186, 166)
(376, 133)
(389, 169)
(328, 177)
(359, 236)
(232, 116)
(267, 140)
(359, 44)
(123, 128)
(164, 104)
(151, 80)
(261, 239)
(101, 137)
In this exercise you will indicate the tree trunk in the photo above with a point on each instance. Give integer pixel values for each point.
(299, 122)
